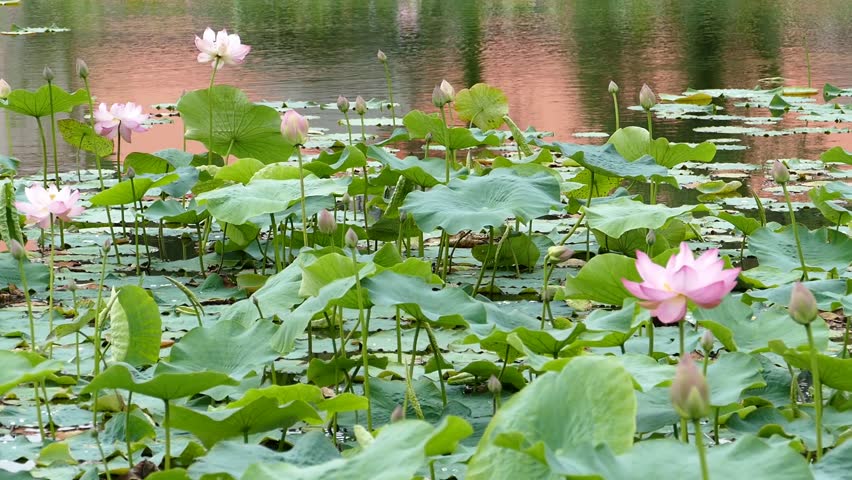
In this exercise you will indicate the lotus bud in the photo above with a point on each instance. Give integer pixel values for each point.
(613, 87)
(47, 73)
(131, 173)
(651, 237)
(438, 97)
(360, 105)
(647, 99)
(342, 104)
(690, 393)
(294, 128)
(559, 253)
(5, 89)
(707, 341)
(448, 91)
(82, 68)
(428, 137)
(107, 245)
(398, 414)
(17, 250)
(351, 238)
(780, 173)
(346, 199)
(362, 436)
(803, 306)
(381, 56)
(326, 222)
(72, 286)
(495, 386)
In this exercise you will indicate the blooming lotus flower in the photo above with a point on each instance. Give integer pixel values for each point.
(41, 204)
(294, 127)
(221, 48)
(666, 291)
(123, 118)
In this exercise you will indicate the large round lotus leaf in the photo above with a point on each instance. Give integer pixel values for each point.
(634, 142)
(38, 103)
(591, 402)
(479, 202)
(24, 367)
(135, 326)
(778, 249)
(226, 346)
(239, 126)
(623, 214)
(483, 105)
(165, 383)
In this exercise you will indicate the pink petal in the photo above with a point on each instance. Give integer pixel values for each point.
(656, 294)
(633, 287)
(671, 311)
(709, 296)
(683, 257)
(648, 270)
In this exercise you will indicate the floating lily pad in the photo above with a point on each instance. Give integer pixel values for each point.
(18, 30)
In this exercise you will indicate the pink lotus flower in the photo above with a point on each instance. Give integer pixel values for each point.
(666, 291)
(294, 128)
(42, 204)
(221, 48)
(123, 118)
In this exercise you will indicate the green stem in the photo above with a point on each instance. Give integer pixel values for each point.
(127, 428)
(651, 337)
(589, 204)
(615, 106)
(363, 131)
(348, 126)
(302, 199)
(390, 93)
(210, 99)
(364, 336)
(795, 232)
(53, 132)
(487, 256)
(438, 361)
(167, 424)
(716, 425)
(447, 150)
(680, 333)
(573, 229)
(545, 298)
(29, 303)
(398, 335)
(43, 151)
(845, 351)
(817, 391)
(702, 454)
(40, 421)
(650, 125)
(652, 194)
(118, 172)
(51, 279)
(366, 208)
(273, 227)
(135, 227)
(50, 423)
(228, 152)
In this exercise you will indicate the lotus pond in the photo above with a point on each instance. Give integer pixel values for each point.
(451, 295)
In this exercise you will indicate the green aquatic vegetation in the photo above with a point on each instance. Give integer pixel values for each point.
(349, 328)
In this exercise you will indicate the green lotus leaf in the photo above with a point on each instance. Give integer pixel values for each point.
(24, 367)
(135, 326)
(82, 136)
(778, 249)
(37, 104)
(226, 346)
(483, 105)
(164, 382)
(635, 142)
(623, 214)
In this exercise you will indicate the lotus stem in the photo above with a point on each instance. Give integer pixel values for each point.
(29, 301)
(302, 199)
(650, 125)
(651, 337)
(438, 360)
(222, 256)
(127, 428)
(447, 150)
(118, 172)
(50, 281)
(390, 92)
(487, 256)
(817, 391)
(699, 446)
(588, 205)
(497, 255)
(50, 424)
(43, 151)
(348, 126)
(135, 226)
(845, 351)
(363, 131)
(228, 151)
(716, 425)
(273, 227)
(365, 332)
(795, 232)
(545, 297)
(615, 107)
(210, 99)
(39, 419)
(53, 132)
(167, 425)
(794, 392)
(398, 335)
(573, 229)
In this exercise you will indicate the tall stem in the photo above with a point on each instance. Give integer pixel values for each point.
(615, 107)
(167, 424)
(650, 337)
(29, 303)
(50, 281)
(302, 198)
(118, 172)
(545, 298)
(487, 256)
(702, 454)
(210, 100)
(589, 204)
(364, 336)
(650, 125)
(53, 132)
(795, 232)
(43, 151)
(348, 126)
(135, 226)
(817, 391)
(438, 361)
(127, 429)
(390, 93)
(447, 150)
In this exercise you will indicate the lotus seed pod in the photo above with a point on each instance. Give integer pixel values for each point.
(82, 68)
(17, 250)
(495, 386)
(803, 306)
(360, 105)
(351, 238)
(47, 73)
(326, 222)
(647, 98)
(613, 87)
(780, 173)
(342, 104)
(690, 393)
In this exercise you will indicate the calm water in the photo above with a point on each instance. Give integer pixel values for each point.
(553, 58)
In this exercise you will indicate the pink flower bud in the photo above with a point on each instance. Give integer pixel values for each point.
(351, 238)
(360, 105)
(294, 128)
(613, 87)
(131, 173)
(707, 341)
(494, 385)
(803, 307)
(17, 250)
(690, 393)
(448, 90)
(342, 104)
(82, 68)
(5, 89)
(398, 414)
(647, 99)
(107, 245)
(780, 173)
(326, 222)
(381, 56)
(559, 253)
